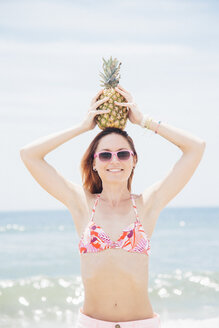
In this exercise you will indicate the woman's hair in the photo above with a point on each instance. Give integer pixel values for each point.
(90, 178)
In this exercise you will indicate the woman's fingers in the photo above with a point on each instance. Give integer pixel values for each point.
(119, 86)
(125, 94)
(98, 93)
(102, 100)
(100, 111)
(120, 91)
(95, 97)
(121, 104)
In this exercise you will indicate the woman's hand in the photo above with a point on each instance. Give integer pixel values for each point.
(89, 122)
(134, 115)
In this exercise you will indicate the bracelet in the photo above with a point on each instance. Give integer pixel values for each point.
(157, 127)
(146, 121)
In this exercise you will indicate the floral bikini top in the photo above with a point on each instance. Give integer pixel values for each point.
(132, 239)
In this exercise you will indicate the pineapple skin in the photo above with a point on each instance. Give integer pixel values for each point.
(118, 115)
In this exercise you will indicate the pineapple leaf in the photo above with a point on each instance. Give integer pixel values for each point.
(105, 62)
(102, 75)
(110, 73)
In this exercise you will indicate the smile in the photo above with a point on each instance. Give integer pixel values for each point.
(115, 170)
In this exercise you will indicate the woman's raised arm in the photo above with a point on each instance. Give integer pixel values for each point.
(192, 147)
(67, 192)
(32, 155)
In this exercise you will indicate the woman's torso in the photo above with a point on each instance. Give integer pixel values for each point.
(115, 281)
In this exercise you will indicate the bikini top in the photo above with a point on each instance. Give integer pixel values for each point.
(132, 239)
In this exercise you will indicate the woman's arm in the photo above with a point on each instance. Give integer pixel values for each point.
(179, 137)
(42, 146)
(161, 192)
(181, 172)
(32, 155)
(69, 193)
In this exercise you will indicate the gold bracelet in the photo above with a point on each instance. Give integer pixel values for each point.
(144, 122)
(148, 122)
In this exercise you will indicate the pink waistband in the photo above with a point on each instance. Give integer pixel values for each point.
(87, 321)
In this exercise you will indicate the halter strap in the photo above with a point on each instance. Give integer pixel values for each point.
(96, 201)
(135, 208)
(94, 207)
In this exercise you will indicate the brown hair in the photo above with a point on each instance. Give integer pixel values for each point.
(90, 178)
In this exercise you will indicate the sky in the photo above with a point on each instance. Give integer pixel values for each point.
(50, 58)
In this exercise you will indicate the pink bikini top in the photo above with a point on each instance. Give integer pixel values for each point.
(132, 239)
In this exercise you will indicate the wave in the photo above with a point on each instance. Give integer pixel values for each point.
(183, 299)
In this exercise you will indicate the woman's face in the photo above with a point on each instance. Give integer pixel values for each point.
(114, 142)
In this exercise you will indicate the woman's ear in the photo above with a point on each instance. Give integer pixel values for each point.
(94, 165)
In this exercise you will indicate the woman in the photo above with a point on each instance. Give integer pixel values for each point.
(114, 225)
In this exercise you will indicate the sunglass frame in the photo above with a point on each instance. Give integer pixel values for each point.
(114, 153)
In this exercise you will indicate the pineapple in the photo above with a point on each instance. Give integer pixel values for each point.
(117, 117)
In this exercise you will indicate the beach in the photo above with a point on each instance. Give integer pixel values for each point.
(41, 286)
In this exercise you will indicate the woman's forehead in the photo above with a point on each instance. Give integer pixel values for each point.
(113, 142)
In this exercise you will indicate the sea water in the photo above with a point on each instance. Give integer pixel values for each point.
(41, 286)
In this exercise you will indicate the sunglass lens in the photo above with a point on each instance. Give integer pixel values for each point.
(105, 156)
(123, 155)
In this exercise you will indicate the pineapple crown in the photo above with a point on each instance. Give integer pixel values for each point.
(110, 78)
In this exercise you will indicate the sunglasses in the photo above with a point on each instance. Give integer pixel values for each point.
(106, 156)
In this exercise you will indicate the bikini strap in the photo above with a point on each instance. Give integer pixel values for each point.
(135, 208)
(94, 207)
(96, 201)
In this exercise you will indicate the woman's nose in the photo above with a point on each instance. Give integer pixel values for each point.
(114, 158)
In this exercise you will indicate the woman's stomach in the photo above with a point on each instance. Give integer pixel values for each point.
(112, 294)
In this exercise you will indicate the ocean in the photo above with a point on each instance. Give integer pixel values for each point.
(40, 282)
